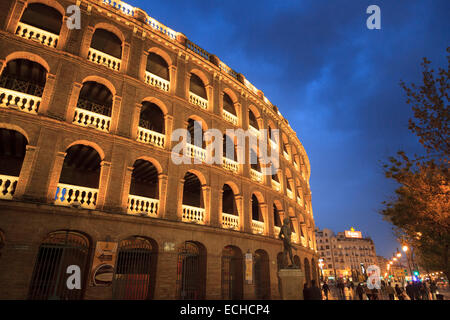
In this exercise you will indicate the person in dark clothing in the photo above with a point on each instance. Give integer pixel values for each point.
(410, 290)
(433, 289)
(326, 289)
(360, 291)
(306, 292)
(340, 285)
(416, 289)
(424, 291)
(399, 292)
(390, 291)
(314, 291)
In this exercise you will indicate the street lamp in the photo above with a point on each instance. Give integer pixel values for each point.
(321, 264)
(398, 254)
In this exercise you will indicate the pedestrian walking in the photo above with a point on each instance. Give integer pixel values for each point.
(314, 291)
(390, 291)
(360, 291)
(410, 290)
(326, 289)
(433, 289)
(424, 292)
(399, 292)
(306, 292)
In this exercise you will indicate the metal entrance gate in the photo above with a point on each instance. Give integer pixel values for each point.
(232, 274)
(58, 251)
(135, 270)
(262, 275)
(190, 273)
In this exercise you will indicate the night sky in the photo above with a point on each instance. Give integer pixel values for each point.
(335, 81)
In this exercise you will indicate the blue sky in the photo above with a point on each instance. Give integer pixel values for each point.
(334, 80)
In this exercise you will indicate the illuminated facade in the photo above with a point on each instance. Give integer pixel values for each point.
(86, 176)
(344, 253)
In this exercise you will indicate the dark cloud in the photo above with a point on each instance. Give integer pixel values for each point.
(334, 80)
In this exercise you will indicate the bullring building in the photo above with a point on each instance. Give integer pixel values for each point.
(86, 176)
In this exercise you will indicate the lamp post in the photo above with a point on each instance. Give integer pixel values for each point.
(405, 249)
(321, 264)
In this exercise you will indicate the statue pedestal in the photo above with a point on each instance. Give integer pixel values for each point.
(292, 282)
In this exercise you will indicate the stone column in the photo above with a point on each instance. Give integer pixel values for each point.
(168, 126)
(216, 210)
(72, 104)
(17, 11)
(187, 84)
(180, 199)
(210, 94)
(26, 171)
(47, 94)
(143, 65)
(115, 114)
(247, 212)
(240, 208)
(105, 168)
(173, 79)
(54, 176)
(207, 202)
(163, 179)
(270, 222)
(126, 188)
(63, 35)
(86, 42)
(135, 121)
(125, 57)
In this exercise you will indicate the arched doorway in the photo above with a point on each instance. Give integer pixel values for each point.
(59, 250)
(232, 273)
(191, 271)
(135, 272)
(262, 275)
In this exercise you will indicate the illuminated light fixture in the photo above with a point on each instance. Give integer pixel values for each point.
(398, 253)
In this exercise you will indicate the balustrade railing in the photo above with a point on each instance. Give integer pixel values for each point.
(276, 185)
(195, 152)
(156, 81)
(69, 195)
(226, 69)
(142, 205)
(229, 117)
(120, 5)
(276, 231)
(290, 193)
(104, 59)
(303, 240)
(230, 221)
(286, 155)
(20, 101)
(257, 227)
(198, 101)
(91, 119)
(273, 144)
(230, 165)
(193, 214)
(7, 186)
(256, 175)
(195, 48)
(254, 131)
(151, 137)
(296, 166)
(33, 33)
(294, 237)
(299, 201)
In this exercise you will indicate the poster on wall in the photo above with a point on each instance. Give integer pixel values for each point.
(249, 268)
(102, 270)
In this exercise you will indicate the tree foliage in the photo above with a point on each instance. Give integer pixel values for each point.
(420, 210)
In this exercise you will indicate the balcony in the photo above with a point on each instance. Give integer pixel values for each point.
(254, 131)
(294, 237)
(290, 193)
(230, 117)
(276, 231)
(142, 205)
(276, 185)
(19, 101)
(273, 144)
(7, 186)
(304, 242)
(256, 175)
(32, 33)
(198, 101)
(257, 227)
(86, 118)
(104, 59)
(230, 165)
(156, 81)
(196, 152)
(286, 155)
(151, 137)
(296, 166)
(69, 195)
(193, 214)
(299, 201)
(230, 221)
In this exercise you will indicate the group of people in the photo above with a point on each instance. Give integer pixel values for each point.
(312, 292)
(412, 291)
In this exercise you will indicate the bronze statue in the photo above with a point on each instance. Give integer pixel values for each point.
(285, 235)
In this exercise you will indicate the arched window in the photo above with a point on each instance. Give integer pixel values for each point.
(276, 217)
(12, 153)
(256, 210)
(135, 272)
(252, 120)
(229, 148)
(151, 127)
(57, 252)
(106, 49)
(197, 92)
(97, 99)
(254, 160)
(232, 273)
(230, 214)
(79, 179)
(229, 111)
(262, 275)
(196, 143)
(22, 84)
(157, 72)
(193, 203)
(191, 271)
(144, 192)
(40, 23)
